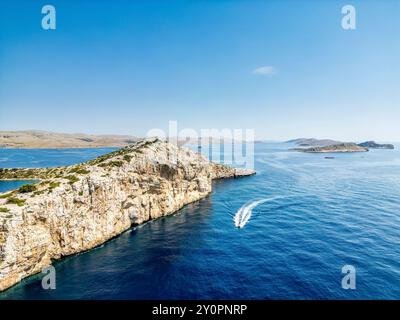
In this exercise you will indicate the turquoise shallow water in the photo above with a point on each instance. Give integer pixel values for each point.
(321, 214)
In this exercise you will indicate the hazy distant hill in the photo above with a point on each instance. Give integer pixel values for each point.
(44, 139)
(36, 139)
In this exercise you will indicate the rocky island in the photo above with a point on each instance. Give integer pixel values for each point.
(312, 142)
(341, 147)
(374, 145)
(76, 208)
(329, 145)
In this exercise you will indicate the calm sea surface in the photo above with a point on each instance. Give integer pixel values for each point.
(316, 215)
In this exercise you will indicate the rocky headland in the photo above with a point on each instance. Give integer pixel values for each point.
(76, 208)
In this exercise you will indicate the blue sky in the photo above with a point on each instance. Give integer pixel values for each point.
(130, 66)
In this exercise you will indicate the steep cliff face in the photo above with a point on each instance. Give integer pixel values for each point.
(76, 208)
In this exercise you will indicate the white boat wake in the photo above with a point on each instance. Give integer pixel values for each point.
(243, 215)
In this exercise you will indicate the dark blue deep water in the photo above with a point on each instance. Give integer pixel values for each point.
(321, 214)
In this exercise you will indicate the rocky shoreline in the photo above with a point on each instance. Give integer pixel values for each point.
(76, 208)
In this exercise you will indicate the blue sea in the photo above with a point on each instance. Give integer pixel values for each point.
(314, 216)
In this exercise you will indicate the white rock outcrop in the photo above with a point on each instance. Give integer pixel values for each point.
(77, 208)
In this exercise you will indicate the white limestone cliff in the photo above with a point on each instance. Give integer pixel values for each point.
(76, 208)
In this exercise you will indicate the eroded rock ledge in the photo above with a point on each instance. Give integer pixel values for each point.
(76, 208)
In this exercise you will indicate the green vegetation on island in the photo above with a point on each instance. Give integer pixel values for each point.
(329, 145)
(342, 147)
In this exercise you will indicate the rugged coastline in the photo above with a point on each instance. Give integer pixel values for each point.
(76, 208)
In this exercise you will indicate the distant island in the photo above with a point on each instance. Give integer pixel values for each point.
(341, 147)
(312, 142)
(37, 139)
(374, 145)
(329, 145)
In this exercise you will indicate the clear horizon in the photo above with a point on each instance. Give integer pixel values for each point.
(125, 68)
(216, 137)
